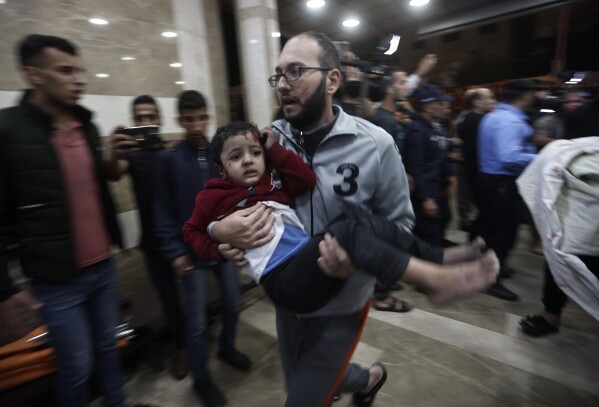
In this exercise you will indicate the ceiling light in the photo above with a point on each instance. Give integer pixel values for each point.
(180, 82)
(127, 58)
(102, 75)
(275, 34)
(253, 41)
(351, 23)
(169, 34)
(418, 3)
(176, 65)
(315, 3)
(98, 21)
(547, 111)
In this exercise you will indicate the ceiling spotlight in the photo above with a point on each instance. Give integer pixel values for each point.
(102, 75)
(253, 41)
(176, 65)
(169, 34)
(418, 3)
(275, 34)
(351, 23)
(180, 82)
(547, 111)
(98, 21)
(127, 58)
(315, 3)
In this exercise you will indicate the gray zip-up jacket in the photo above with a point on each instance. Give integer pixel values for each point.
(357, 163)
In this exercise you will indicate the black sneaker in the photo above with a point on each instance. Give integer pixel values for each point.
(235, 358)
(209, 394)
(501, 292)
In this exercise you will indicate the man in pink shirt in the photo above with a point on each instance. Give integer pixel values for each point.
(55, 205)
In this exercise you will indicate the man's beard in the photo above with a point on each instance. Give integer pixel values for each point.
(313, 109)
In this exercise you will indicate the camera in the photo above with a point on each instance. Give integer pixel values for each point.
(146, 136)
(376, 79)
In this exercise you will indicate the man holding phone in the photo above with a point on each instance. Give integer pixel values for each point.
(136, 152)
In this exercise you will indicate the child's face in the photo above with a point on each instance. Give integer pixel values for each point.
(194, 121)
(242, 160)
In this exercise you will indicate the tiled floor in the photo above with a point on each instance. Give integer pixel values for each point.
(468, 354)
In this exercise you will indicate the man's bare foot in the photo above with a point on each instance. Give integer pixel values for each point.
(464, 252)
(462, 279)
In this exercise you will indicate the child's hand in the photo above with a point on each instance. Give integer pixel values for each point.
(269, 138)
(232, 254)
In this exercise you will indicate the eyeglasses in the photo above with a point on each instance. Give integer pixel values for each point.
(292, 74)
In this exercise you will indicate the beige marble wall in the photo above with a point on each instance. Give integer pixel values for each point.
(256, 21)
(134, 29)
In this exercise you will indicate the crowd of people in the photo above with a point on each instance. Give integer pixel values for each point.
(326, 210)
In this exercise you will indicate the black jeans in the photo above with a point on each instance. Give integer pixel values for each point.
(500, 208)
(374, 244)
(554, 299)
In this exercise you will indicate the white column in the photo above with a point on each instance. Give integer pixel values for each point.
(201, 51)
(259, 51)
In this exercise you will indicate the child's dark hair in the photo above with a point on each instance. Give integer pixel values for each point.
(191, 99)
(230, 130)
(31, 48)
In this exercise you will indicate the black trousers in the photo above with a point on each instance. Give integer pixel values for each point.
(500, 208)
(431, 230)
(554, 299)
(374, 244)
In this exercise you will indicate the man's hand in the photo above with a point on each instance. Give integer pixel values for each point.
(249, 227)
(334, 260)
(182, 266)
(11, 309)
(121, 144)
(430, 208)
(232, 254)
(269, 138)
(426, 64)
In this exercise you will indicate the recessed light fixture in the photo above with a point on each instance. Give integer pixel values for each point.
(169, 34)
(98, 21)
(180, 82)
(253, 41)
(547, 111)
(351, 23)
(275, 34)
(176, 65)
(102, 75)
(315, 3)
(418, 3)
(127, 58)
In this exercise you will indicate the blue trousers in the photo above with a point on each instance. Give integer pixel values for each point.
(81, 317)
(195, 291)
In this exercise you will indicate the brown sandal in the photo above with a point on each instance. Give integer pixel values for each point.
(395, 305)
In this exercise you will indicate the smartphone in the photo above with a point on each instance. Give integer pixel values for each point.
(145, 136)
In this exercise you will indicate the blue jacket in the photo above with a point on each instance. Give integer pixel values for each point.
(179, 180)
(425, 158)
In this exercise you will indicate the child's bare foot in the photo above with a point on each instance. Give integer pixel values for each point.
(464, 252)
(463, 279)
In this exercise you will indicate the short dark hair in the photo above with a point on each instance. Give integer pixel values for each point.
(191, 99)
(31, 48)
(143, 100)
(515, 89)
(329, 57)
(227, 131)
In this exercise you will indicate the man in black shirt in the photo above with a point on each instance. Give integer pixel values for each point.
(478, 102)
